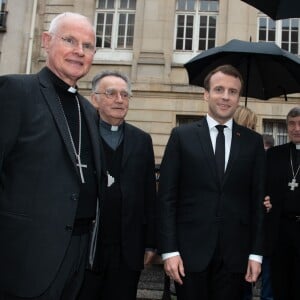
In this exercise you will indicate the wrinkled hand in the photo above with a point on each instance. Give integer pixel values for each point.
(148, 257)
(267, 203)
(174, 268)
(253, 271)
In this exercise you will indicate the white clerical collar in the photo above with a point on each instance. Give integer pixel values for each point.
(109, 127)
(297, 146)
(72, 90)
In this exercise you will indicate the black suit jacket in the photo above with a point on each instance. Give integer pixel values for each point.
(39, 182)
(138, 188)
(196, 210)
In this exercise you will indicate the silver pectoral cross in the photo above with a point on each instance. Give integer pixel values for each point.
(80, 166)
(293, 184)
(110, 180)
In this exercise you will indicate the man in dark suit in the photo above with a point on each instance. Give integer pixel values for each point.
(127, 224)
(210, 222)
(283, 221)
(49, 169)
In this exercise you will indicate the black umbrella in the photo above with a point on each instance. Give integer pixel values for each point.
(277, 9)
(268, 71)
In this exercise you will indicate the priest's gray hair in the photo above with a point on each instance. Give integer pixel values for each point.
(294, 112)
(106, 73)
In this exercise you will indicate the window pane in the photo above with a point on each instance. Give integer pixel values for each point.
(203, 21)
(262, 36)
(121, 30)
(120, 42)
(109, 19)
(212, 21)
(123, 3)
(211, 33)
(101, 4)
(179, 44)
(127, 4)
(188, 44)
(181, 4)
(211, 44)
(190, 21)
(132, 4)
(186, 5)
(189, 32)
(202, 33)
(294, 48)
(209, 5)
(110, 4)
(190, 5)
(285, 35)
(271, 36)
(180, 20)
(130, 30)
(180, 32)
(263, 23)
(294, 36)
(105, 4)
(202, 45)
(129, 42)
(285, 46)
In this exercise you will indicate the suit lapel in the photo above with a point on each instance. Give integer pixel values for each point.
(128, 145)
(206, 145)
(51, 98)
(234, 148)
(92, 124)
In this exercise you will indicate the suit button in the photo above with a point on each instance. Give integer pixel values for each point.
(74, 197)
(69, 228)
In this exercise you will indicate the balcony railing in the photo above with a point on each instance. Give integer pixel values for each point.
(3, 15)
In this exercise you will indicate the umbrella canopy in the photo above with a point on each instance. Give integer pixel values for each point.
(277, 9)
(268, 71)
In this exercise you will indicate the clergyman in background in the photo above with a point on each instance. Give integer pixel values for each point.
(127, 211)
(283, 187)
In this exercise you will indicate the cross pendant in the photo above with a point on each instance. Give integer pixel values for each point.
(293, 184)
(80, 166)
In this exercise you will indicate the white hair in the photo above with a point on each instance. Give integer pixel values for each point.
(54, 25)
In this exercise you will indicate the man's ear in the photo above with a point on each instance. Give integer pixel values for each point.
(94, 101)
(46, 38)
(205, 95)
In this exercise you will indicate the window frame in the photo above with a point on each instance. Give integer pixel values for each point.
(279, 29)
(114, 52)
(277, 128)
(182, 55)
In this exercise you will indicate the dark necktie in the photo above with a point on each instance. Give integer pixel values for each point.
(220, 151)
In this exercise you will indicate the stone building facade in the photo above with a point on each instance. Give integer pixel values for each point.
(150, 41)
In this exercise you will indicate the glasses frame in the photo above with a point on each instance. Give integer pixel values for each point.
(72, 43)
(113, 94)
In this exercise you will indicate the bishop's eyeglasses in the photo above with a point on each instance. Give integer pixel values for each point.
(113, 94)
(73, 43)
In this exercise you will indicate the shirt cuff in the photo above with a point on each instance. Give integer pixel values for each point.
(257, 258)
(164, 256)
